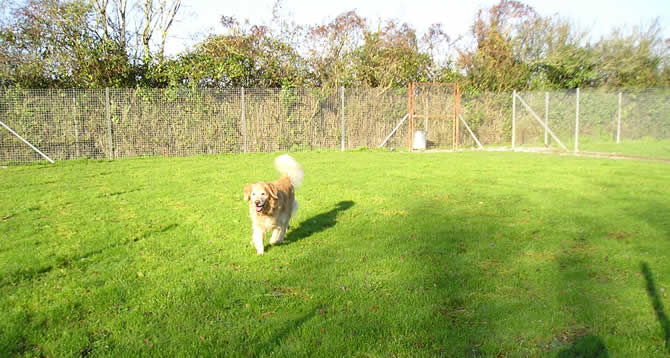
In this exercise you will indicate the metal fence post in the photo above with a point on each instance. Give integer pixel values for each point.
(109, 123)
(74, 123)
(342, 89)
(425, 113)
(244, 124)
(410, 111)
(618, 122)
(577, 123)
(513, 118)
(546, 118)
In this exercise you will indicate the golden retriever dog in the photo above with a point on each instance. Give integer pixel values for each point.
(271, 205)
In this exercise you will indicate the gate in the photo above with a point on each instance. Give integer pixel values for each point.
(433, 110)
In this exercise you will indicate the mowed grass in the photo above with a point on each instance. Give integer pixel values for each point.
(647, 147)
(390, 255)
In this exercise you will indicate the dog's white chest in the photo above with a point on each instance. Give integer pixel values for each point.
(262, 221)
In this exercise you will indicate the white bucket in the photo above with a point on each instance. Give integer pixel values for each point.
(419, 141)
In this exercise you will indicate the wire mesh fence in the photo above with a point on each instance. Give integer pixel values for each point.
(121, 123)
(592, 119)
(488, 116)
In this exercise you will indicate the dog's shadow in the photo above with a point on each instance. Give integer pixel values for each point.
(317, 223)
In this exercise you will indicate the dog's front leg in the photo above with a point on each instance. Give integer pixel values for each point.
(276, 236)
(257, 239)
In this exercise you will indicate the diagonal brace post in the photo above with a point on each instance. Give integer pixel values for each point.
(393, 131)
(541, 122)
(25, 141)
(470, 131)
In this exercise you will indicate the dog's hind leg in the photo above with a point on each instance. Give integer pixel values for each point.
(288, 223)
(257, 240)
(283, 232)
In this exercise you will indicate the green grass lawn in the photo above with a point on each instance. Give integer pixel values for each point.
(644, 147)
(390, 255)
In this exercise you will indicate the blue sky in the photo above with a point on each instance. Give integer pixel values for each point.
(199, 18)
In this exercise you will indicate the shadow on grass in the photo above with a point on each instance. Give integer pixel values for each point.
(579, 296)
(317, 223)
(585, 347)
(657, 304)
(283, 333)
(65, 260)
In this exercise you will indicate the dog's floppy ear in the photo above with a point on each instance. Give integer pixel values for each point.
(272, 190)
(247, 192)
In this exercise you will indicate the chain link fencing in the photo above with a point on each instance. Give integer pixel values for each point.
(121, 123)
(582, 120)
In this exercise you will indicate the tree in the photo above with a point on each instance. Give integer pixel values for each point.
(157, 17)
(493, 64)
(634, 59)
(248, 56)
(556, 54)
(112, 20)
(390, 57)
(83, 43)
(330, 49)
(50, 43)
(121, 43)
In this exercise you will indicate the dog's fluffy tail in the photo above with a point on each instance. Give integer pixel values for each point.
(286, 165)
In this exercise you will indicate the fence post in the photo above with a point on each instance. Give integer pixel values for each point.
(513, 118)
(74, 123)
(458, 108)
(618, 122)
(109, 123)
(425, 112)
(546, 118)
(342, 89)
(577, 123)
(410, 111)
(244, 124)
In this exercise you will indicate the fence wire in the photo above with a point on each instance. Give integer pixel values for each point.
(593, 116)
(122, 123)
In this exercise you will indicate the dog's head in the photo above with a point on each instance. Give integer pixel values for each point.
(260, 194)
